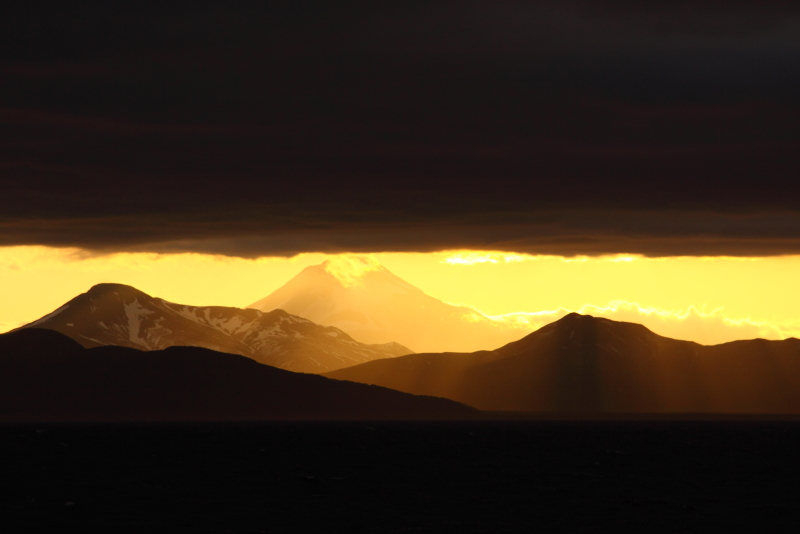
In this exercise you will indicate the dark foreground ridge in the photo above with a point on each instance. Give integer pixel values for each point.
(45, 376)
(584, 364)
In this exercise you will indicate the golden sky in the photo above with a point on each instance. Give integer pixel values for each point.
(708, 300)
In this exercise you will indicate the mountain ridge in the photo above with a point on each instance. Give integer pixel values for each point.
(118, 314)
(586, 364)
(47, 376)
(373, 305)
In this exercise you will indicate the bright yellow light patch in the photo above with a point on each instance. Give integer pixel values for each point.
(471, 258)
(350, 269)
(705, 299)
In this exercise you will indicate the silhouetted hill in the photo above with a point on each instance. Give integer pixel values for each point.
(37, 341)
(45, 376)
(373, 305)
(586, 364)
(116, 314)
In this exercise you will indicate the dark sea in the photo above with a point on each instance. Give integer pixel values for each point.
(460, 477)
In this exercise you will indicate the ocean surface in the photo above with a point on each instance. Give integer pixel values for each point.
(469, 476)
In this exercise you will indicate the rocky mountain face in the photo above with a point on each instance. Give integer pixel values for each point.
(116, 314)
(585, 364)
(46, 376)
(364, 299)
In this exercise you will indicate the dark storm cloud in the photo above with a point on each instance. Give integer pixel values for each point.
(568, 128)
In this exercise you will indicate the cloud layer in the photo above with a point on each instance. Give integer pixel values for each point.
(548, 128)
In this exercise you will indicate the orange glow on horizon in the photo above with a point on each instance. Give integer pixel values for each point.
(709, 300)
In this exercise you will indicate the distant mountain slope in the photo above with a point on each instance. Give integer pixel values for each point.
(44, 378)
(373, 305)
(586, 364)
(116, 314)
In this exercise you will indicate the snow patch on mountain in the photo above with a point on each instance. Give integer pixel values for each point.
(114, 314)
(135, 312)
